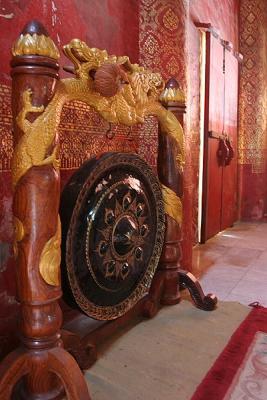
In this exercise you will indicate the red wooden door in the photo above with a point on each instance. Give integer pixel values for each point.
(229, 182)
(213, 120)
(220, 122)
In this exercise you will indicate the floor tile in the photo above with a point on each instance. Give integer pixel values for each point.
(261, 262)
(221, 279)
(256, 275)
(254, 287)
(240, 257)
(233, 238)
(233, 264)
(246, 299)
(206, 256)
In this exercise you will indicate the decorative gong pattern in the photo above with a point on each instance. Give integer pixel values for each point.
(113, 229)
(123, 237)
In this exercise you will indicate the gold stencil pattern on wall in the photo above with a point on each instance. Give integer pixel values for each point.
(253, 83)
(162, 30)
(83, 133)
(162, 44)
(6, 141)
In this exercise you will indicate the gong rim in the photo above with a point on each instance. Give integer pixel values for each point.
(100, 167)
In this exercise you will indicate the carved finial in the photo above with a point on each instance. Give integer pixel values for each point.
(172, 92)
(34, 26)
(34, 40)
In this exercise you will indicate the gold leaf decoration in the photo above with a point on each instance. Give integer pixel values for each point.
(50, 259)
(19, 234)
(172, 94)
(138, 97)
(40, 45)
(172, 203)
(19, 229)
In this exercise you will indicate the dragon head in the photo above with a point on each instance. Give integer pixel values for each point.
(108, 74)
(87, 60)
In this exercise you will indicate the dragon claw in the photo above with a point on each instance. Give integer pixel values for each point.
(27, 102)
(27, 94)
(40, 109)
(56, 163)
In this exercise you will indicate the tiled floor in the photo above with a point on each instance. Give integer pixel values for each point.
(233, 264)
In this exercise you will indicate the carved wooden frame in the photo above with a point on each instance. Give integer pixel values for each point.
(38, 96)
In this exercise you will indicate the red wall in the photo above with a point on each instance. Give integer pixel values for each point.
(222, 14)
(108, 24)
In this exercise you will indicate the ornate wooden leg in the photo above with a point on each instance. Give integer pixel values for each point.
(170, 154)
(65, 367)
(189, 281)
(169, 262)
(34, 367)
(12, 369)
(170, 170)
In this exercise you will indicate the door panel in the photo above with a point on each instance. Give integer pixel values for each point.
(214, 191)
(229, 190)
(213, 123)
(216, 86)
(219, 201)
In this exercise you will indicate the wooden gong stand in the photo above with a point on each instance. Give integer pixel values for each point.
(50, 358)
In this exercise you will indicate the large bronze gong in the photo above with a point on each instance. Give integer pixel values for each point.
(112, 217)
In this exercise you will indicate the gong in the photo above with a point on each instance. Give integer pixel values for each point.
(112, 217)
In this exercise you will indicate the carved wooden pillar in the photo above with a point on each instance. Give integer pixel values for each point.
(174, 100)
(41, 359)
(171, 176)
(170, 171)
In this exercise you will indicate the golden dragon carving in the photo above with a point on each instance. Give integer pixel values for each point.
(137, 96)
(135, 100)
